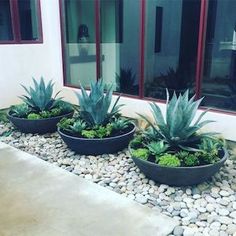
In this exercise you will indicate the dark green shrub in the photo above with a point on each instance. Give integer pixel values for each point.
(66, 123)
(136, 142)
(103, 131)
(188, 159)
(191, 160)
(65, 107)
(206, 158)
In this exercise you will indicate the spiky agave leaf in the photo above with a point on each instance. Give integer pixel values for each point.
(39, 98)
(94, 107)
(178, 129)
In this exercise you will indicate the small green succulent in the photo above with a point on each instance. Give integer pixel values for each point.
(169, 160)
(141, 153)
(191, 160)
(45, 114)
(94, 107)
(39, 98)
(66, 123)
(78, 126)
(120, 123)
(151, 134)
(65, 107)
(206, 158)
(89, 133)
(21, 110)
(3, 117)
(210, 144)
(34, 116)
(103, 131)
(55, 112)
(156, 148)
(136, 142)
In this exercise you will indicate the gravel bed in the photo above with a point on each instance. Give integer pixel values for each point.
(205, 209)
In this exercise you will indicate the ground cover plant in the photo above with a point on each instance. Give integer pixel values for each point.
(96, 117)
(177, 140)
(39, 102)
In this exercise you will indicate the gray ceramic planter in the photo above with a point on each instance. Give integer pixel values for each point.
(180, 176)
(41, 126)
(98, 146)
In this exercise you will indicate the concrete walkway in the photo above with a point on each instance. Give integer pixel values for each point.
(38, 199)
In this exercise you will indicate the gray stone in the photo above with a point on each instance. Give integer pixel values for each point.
(224, 193)
(233, 214)
(225, 220)
(140, 198)
(231, 229)
(178, 230)
(214, 232)
(189, 232)
(223, 212)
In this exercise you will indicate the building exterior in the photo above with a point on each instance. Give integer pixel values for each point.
(140, 46)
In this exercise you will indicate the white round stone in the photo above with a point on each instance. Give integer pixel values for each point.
(225, 220)
(223, 212)
(140, 198)
(224, 193)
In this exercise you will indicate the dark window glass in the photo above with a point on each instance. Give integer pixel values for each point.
(79, 37)
(111, 21)
(5, 21)
(219, 77)
(171, 40)
(28, 19)
(120, 46)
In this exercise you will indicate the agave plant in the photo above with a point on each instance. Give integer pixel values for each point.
(40, 97)
(21, 110)
(94, 107)
(177, 129)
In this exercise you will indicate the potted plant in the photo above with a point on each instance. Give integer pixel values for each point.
(40, 111)
(173, 150)
(96, 129)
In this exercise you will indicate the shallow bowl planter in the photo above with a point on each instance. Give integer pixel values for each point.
(41, 126)
(98, 146)
(180, 176)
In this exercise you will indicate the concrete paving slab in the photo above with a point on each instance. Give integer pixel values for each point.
(39, 199)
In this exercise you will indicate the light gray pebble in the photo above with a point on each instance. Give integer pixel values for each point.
(178, 230)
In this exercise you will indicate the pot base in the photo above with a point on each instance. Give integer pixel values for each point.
(179, 176)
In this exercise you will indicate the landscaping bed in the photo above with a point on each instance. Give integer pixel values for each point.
(207, 208)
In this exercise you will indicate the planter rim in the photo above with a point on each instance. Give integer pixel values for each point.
(49, 118)
(223, 159)
(97, 139)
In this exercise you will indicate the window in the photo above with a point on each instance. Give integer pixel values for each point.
(20, 21)
(171, 42)
(120, 37)
(219, 75)
(143, 47)
(79, 42)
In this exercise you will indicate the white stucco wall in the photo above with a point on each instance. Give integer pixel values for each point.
(18, 63)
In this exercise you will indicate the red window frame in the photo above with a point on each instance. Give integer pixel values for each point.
(15, 23)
